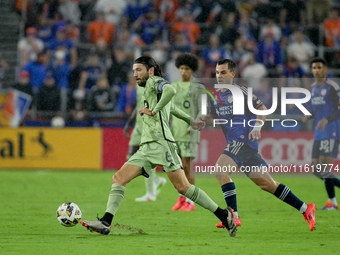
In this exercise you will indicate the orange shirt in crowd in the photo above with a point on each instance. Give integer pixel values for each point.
(171, 6)
(98, 30)
(333, 27)
(191, 29)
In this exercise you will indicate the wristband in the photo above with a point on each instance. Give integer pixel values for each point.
(257, 128)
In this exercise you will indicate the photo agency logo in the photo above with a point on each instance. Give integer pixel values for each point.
(236, 104)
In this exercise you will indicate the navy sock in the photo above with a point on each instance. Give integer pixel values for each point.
(335, 179)
(329, 184)
(283, 193)
(229, 193)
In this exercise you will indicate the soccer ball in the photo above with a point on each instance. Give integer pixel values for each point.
(68, 214)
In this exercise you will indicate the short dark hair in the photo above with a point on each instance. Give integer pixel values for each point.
(318, 60)
(231, 64)
(187, 59)
(149, 62)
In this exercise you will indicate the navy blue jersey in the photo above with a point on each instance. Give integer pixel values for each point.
(235, 132)
(324, 102)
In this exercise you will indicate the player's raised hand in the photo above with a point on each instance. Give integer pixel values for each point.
(321, 124)
(198, 125)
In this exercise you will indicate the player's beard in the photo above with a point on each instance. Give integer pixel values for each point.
(142, 82)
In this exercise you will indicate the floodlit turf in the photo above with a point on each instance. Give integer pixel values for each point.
(29, 200)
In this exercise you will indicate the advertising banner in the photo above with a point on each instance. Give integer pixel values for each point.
(46, 148)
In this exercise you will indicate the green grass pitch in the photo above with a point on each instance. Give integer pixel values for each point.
(29, 200)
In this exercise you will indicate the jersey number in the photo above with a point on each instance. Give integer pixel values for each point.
(324, 146)
(146, 104)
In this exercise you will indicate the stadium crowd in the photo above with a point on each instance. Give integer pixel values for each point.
(76, 55)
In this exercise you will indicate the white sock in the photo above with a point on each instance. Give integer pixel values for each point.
(303, 208)
(188, 200)
(236, 215)
(333, 200)
(180, 195)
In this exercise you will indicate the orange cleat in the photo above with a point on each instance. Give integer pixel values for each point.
(237, 221)
(187, 207)
(330, 206)
(179, 204)
(309, 216)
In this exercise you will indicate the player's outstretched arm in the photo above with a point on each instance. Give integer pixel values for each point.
(175, 111)
(167, 94)
(209, 120)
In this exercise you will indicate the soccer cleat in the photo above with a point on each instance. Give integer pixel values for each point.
(309, 216)
(187, 207)
(330, 206)
(179, 204)
(237, 221)
(229, 223)
(101, 227)
(158, 185)
(147, 197)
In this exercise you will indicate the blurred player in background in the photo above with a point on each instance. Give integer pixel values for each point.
(242, 149)
(154, 183)
(186, 138)
(157, 147)
(325, 108)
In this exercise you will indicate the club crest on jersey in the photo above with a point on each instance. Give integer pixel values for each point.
(323, 92)
(230, 99)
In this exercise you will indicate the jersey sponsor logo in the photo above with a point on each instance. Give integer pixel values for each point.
(318, 100)
(161, 85)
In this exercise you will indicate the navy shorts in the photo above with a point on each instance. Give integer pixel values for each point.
(327, 147)
(244, 155)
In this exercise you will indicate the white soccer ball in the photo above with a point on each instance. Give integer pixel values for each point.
(57, 122)
(68, 214)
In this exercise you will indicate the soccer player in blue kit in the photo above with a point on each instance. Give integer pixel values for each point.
(242, 149)
(325, 108)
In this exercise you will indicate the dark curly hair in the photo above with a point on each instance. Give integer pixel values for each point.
(318, 60)
(187, 59)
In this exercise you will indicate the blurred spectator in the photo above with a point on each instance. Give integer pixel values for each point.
(317, 11)
(264, 91)
(303, 51)
(238, 53)
(211, 54)
(130, 42)
(167, 9)
(293, 70)
(101, 96)
(270, 54)
(158, 52)
(30, 46)
(3, 68)
(48, 97)
(187, 26)
(61, 70)
(261, 10)
(181, 43)
(121, 66)
(24, 8)
(72, 33)
(189, 6)
(271, 27)
(77, 105)
(63, 44)
(44, 30)
(137, 8)
(227, 30)
(246, 28)
(113, 9)
(91, 73)
(69, 10)
(293, 11)
(151, 28)
(331, 26)
(37, 70)
(170, 68)
(48, 8)
(253, 72)
(127, 97)
(23, 84)
(100, 31)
